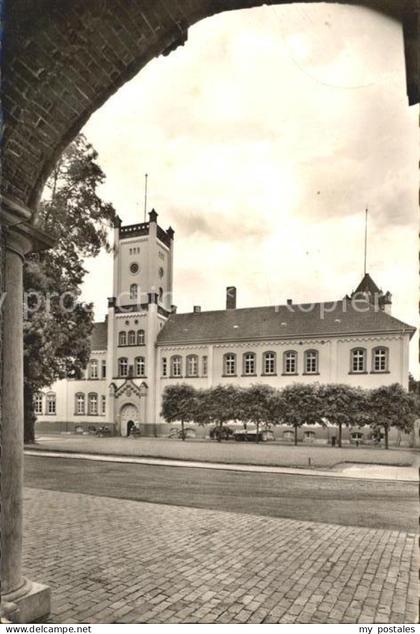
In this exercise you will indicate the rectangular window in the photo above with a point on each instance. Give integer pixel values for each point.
(230, 364)
(51, 404)
(93, 404)
(380, 360)
(103, 404)
(38, 404)
(205, 368)
(80, 404)
(192, 365)
(269, 363)
(290, 363)
(249, 363)
(176, 366)
(93, 369)
(164, 366)
(311, 362)
(104, 369)
(358, 361)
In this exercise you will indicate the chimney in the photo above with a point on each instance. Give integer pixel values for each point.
(197, 309)
(230, 297)
(289, 302)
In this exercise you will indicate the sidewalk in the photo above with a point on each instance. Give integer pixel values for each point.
(118, 561)
(365, 472)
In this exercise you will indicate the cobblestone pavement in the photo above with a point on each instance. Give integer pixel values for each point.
(119, 561)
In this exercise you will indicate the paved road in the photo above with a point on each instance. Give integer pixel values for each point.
(374, 504)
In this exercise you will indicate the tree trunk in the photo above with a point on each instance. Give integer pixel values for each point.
(340, 434)
(258, 433)
(182, 430)
(296, 435)
(219, 435)
(29, 416)
(386, 437)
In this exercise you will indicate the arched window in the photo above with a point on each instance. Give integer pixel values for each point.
(249, 363)
(93, 369)
(269, 363)
(79, 403)
(131, 338)
(140, 366)
(176, 366)
(51, 403)
(38, 403)
(140, 338)
(229, 364)
(311, 362)
(380, 360)
(123, 366)
(192, 365)
(92, 404)
(358, 360)
(290, 362)
(122, 338)
(133, 291)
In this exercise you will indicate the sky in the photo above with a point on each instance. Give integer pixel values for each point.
(265, 137)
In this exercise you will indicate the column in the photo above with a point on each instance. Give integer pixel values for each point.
(32, 600)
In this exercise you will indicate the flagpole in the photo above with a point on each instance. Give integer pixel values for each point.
(145, 196)
(366, 230)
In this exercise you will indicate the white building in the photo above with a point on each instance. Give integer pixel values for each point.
(144, 345)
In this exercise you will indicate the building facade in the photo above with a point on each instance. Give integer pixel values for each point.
(144, 345)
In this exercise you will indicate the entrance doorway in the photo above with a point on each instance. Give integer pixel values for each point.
(129, 417)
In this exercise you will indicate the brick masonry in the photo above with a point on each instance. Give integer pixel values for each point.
(64, 59)
(118, 561)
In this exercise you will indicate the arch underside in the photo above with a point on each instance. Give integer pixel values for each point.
(64, 59)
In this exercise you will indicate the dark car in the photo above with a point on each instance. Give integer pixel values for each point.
(221, 433)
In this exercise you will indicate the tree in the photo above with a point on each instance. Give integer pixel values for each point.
(342, 405)
(256, 405)
(391, 406)
(302, 406)
(179, 403)
(219, 405)
(57, 326)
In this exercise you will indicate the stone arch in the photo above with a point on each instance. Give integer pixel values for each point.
(129, 412)
(65, 59)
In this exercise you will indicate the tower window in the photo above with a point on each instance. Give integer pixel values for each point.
(229, 364)
(140, 338)
(358, 360)
(123, 366)
(133, 291)
(122, 338)
(140, 366)
(290, 362)
(79, 405)
(269, 362)
(311, 362)
(192, 365)
(131, 338)
(380, 360)
(51, 403)
(38, 403)
(249, 363)
(93, 404)
(176, 366)
(93, 369)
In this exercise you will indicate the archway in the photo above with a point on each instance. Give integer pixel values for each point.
(128, 414)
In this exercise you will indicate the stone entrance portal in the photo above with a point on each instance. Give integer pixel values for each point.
(128, 413)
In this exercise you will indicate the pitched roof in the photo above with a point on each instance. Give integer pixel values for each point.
(99, 336)
(296, 320)
(367, 285)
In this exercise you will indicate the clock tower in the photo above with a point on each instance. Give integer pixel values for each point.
(137, 311)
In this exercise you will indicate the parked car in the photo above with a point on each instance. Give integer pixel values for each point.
(222, 433)
(252, 436)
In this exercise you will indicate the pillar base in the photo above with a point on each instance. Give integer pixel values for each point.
(32, 601)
